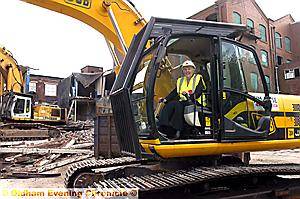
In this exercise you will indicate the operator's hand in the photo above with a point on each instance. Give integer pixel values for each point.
(185, 94)
(162, 100)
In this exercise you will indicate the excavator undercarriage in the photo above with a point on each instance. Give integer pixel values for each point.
(28, 131)
(224, 181)
(23, 120)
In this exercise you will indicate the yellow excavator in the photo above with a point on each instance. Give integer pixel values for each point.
(17, 109)
(235, 120)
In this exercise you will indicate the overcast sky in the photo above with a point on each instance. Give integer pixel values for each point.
(58, 45)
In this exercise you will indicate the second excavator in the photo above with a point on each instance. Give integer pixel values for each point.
(21, 116)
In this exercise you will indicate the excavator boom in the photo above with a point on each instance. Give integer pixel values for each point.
(117, 20)
(11, 74)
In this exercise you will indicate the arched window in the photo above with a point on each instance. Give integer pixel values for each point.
(212, 17)
(278, 40)
(263, 33)
(237, 18)
(264, 58)
(250, 23)
(288, 44)
(268, 82)
(254, 82)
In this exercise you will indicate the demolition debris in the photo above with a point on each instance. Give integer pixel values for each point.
(30, 158)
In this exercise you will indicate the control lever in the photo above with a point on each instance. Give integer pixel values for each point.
(266, 103)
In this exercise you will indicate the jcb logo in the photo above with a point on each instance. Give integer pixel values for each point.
(81, 3)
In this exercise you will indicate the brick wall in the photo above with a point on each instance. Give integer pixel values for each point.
(248, 9)
(295, 30)
(40, 82)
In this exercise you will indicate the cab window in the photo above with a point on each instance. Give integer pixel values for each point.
(239, 65)
(19, 106)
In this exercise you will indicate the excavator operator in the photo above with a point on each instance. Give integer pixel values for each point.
(189, 89)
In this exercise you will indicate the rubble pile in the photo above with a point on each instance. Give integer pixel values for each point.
(25, 158)
(77, 126)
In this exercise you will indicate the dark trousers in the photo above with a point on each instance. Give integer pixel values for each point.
(171, 116)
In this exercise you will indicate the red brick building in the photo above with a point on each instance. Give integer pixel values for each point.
(45, 88)
(277, 42)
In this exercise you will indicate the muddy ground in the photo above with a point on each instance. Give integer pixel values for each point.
(285, 156)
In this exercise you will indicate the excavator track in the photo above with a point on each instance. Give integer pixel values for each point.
(82, 174)
(168, 180)
(27, 131)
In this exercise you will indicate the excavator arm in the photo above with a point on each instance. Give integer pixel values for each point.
(116, 20)
(11, 75)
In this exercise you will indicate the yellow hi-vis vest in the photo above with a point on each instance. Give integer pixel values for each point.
(183, 86)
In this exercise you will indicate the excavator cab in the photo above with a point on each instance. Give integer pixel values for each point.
(228, 112)
(20, 107)
(16, 106)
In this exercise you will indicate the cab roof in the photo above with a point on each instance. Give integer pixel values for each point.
(188, 26)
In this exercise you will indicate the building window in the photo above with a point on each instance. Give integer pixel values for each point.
(264, 58)
(288, 44)
(268, 82)
(212, 17)
(254, 82)
(278, 40)
(32, 87)
(296, 71)
(289, 74)
(237, 18)
(250, 24)
(279, 60)
(288, 61)
(50, 90)
(263, 33)
(19, 106)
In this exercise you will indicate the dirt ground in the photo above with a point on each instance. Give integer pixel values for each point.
(276, 157)
(268, 157)
(56, 182)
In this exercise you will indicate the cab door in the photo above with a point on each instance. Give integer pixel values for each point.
(241, 74)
